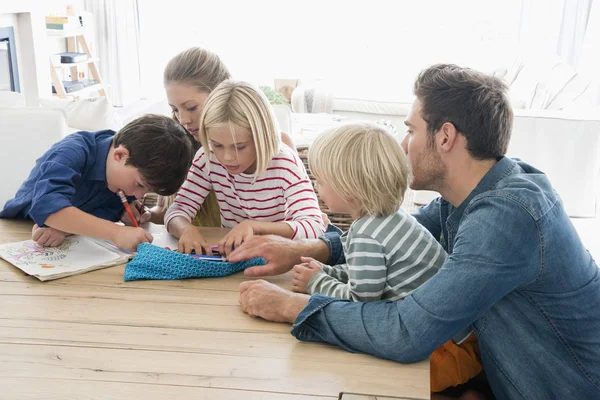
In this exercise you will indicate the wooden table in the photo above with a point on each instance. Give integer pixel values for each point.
(95, 336)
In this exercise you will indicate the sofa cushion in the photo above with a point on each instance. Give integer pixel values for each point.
(25, 134)
(90, 114)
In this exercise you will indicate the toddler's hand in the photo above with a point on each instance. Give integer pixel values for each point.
(192, 240)
(325, 219)
(304, 272)
(128, 238)
(47, 237)
(236, 236)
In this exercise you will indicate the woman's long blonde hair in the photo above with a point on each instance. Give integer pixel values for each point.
(238, 103)
(203, 70)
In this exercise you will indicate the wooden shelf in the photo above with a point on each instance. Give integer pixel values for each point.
(76, 42)
(76, 64)
(59, 33)
(81, 92)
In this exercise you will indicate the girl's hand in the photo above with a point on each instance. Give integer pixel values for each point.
(192, 240)
(304, 272)
(47, 237)
(236, 236)
(129, 238)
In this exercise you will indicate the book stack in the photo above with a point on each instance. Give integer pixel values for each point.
(63, 23)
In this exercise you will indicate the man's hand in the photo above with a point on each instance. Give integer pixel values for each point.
(267, 301)
(280, 253)
(304, 272)
(47, 237)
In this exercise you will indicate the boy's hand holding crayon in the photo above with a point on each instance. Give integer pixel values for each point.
(128, 237)
(140, 213)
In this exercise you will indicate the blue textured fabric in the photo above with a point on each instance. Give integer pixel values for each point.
(154, 262)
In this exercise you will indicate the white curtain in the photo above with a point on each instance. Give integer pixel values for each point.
(573, 29)
(117, 47)
(555, 28)
(589, 63)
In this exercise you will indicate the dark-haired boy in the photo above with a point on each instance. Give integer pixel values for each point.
(73, 187)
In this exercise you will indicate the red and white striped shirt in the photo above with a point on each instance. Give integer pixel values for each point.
(283, 193)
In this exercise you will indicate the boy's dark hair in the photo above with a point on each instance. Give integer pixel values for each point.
(475, 103)
(159, 147)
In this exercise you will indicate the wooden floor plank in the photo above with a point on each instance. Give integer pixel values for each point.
(63, 389)
(293, 376)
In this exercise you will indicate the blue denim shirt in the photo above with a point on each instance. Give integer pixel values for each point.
(517, 273)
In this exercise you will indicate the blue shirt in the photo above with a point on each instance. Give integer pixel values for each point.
(71, 173)
(517, 273)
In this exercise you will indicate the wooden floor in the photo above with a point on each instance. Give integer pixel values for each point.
(94, 336)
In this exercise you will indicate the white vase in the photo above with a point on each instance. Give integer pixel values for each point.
(312, 97)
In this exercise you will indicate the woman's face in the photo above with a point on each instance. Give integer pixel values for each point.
(187, 102)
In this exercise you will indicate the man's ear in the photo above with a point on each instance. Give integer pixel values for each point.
(447, 136)
(121, 154)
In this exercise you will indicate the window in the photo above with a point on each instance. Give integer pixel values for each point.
(368, 50)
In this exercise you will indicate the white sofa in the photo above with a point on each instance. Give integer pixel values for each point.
(563, 145)
(25, 134)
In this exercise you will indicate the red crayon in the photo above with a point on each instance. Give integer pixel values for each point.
(127, 208)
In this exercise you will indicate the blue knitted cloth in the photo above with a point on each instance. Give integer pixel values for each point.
(154, 262)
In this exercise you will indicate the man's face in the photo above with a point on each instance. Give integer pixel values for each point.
(428, 170)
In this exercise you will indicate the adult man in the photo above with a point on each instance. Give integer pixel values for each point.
(517, 272)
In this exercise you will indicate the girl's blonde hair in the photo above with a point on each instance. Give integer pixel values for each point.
(238, 103)
(362, 162)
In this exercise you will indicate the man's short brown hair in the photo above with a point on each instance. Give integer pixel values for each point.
(475, 103)
(159, 147)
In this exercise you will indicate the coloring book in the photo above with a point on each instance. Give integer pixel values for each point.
(76, 255)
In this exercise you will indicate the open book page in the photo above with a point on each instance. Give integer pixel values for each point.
(162, 238)
(77, 254)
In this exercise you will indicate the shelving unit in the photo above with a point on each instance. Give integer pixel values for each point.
(75, 40)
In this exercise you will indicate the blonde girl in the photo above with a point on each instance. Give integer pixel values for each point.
(189, 78)
(260, 183)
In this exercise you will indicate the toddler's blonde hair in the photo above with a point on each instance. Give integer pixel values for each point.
(362, 162)
(238, 103)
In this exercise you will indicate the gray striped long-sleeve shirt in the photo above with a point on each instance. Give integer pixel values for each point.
(386, 258)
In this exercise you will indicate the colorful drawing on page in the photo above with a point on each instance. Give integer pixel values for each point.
(31, 253)
(75, 252)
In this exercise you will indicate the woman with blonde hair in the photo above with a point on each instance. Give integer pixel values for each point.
(260, 183)
(189, 78)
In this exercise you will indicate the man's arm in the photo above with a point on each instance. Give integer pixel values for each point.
(281, 254)
(487, 263)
